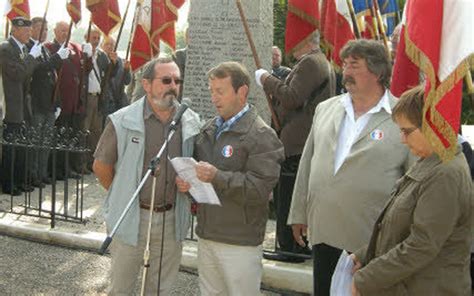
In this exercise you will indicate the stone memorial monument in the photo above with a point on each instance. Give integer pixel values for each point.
(216, 34)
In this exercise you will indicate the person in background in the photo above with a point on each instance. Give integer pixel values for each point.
(43, 82)
(18, 64)
(311, 81)
(180, 60)
(71, 94)
(279, 71)
(122, 77)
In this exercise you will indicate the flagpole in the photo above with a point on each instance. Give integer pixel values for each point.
(275, 120)
(121, 25)
(469, 85)
(7, 27)
(84, 79)
(381, 26)
(137, 15)
(43, 24)
(354, 19)
(105, 81)
(374, 20)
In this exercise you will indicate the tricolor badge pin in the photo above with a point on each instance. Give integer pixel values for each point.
(227, 151)
(376, 135)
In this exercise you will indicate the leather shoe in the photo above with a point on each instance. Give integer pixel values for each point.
(14, 192)
(37, 183)
(283, 258)
(26, 188)
(47, 180)
(73, 175)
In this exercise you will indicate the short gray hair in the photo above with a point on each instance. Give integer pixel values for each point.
(149, 68)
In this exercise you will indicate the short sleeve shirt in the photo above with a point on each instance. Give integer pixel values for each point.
(155, 133)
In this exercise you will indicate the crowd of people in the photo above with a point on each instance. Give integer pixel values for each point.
(50, 84)
(348, 171)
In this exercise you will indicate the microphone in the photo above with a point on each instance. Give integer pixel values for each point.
(179, 113)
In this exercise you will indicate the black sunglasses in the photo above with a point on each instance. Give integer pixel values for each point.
(167, 80)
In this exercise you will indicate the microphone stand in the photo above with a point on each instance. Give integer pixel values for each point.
(146, 253)
(151, 168)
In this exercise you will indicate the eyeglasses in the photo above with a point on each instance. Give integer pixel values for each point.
(167, 80)
(406, 131)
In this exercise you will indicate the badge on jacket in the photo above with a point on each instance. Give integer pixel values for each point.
(227, 151)
(135, 140)
(376, 135)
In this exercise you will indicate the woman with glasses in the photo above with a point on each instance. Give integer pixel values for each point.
(421, 242)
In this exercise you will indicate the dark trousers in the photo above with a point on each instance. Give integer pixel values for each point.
(282, 197)
(76, 160)
(39, 157)
(13, 157)
(472, 271)
(324, 262)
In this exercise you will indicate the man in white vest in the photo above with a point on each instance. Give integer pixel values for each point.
(351, 160)
(132, 137)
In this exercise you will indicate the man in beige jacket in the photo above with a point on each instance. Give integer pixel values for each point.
(350, 162)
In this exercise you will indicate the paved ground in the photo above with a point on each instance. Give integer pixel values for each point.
(30, 268)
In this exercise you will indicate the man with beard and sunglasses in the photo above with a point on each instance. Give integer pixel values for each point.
(131, 138)
(350, 162)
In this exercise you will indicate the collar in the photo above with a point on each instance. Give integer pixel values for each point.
(423, 167)
(384, 103)
(220, 121)
(20, 45)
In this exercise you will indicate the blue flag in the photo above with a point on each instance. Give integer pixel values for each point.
(389, 9)
(361, 5)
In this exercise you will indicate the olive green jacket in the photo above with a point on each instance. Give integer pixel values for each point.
(421, 241)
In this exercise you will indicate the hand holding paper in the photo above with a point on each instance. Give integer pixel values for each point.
(202, 192)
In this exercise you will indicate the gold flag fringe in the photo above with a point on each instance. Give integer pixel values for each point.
(434, 96)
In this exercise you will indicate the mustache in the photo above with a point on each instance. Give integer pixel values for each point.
(347, 79)
(171, 92)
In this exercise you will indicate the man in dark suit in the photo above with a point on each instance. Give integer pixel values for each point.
(117, 82)
(17, 66)
(311, 81)
(42, 86)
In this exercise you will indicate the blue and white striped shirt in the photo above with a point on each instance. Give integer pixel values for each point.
(223, 126)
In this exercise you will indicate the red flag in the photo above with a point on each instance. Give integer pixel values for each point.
(164, 22)
(302, 20)
(440, 42)
(18, 8)
(337, 28)
(105, 14)
(153, 27)
(405, 73)
(73, 7)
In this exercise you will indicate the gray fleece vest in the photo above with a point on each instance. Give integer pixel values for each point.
(130, 129)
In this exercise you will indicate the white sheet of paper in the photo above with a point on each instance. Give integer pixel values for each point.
(342, 277)
(201, 191)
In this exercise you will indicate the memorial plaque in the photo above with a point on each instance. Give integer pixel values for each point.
(216, 34)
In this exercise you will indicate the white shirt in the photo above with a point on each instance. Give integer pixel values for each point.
(350, 127)
(22, 46)
(94, 83)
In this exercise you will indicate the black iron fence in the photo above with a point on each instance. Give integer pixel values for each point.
(27, 150)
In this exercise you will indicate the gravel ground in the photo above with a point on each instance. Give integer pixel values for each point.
(30, 268)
